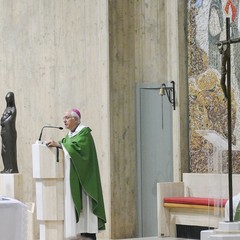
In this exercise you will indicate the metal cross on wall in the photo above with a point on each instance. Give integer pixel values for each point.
(225, 51)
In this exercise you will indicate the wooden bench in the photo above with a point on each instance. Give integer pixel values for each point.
(197, 201)
(194, 203)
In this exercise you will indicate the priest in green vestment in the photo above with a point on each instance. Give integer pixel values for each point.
(82, 178)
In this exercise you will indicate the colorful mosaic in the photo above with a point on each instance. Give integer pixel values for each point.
(207, 104)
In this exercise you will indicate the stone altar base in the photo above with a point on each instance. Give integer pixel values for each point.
(11, 185)
(226, 231)
(51, 229)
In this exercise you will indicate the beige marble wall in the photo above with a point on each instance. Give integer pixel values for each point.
(176, 31)
(147, 45)
(160, 56)
(122, 112)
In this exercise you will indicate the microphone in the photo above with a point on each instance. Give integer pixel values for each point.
(40, 136)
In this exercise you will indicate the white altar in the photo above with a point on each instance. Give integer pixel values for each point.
(13, 219)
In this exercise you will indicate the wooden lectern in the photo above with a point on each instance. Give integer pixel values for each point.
(48, 172)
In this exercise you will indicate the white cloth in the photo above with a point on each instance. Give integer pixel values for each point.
(88, 222)
(13, 219)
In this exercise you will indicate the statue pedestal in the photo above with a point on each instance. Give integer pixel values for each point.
(11, 185)
(48, 171)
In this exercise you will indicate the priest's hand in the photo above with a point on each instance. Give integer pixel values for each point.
(52, 143)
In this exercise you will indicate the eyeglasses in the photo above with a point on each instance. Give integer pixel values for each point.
(66, 118)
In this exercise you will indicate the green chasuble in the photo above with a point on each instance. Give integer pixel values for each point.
(237, 214)
(84, 173)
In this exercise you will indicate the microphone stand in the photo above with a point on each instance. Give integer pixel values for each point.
(40, 136)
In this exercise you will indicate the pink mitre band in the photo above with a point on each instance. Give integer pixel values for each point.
(76, 111)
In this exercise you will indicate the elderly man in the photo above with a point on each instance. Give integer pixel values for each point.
(84, 206)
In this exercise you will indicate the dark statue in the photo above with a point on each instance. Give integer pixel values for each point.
(9, 135)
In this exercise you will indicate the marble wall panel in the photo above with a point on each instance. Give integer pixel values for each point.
(143, 49)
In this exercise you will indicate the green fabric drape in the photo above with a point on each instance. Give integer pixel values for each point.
(84, 173)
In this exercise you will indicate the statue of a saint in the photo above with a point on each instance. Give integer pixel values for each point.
(9, 136)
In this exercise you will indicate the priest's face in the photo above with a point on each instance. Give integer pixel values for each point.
(69, 121)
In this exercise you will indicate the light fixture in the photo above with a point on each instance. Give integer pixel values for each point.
(170, 92)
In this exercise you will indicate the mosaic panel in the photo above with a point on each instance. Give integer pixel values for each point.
(207, 103)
